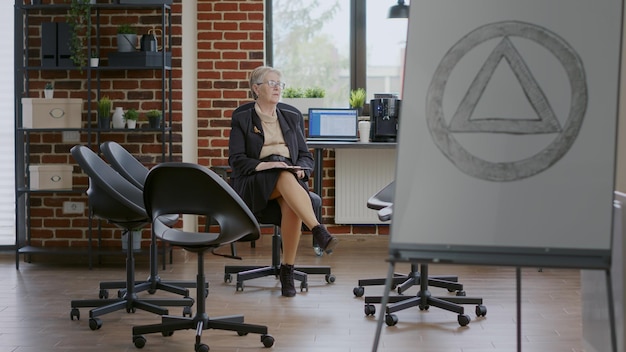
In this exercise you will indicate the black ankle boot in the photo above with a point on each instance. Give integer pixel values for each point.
(323, 239)
(286, 280)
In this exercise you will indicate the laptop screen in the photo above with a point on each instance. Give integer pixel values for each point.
(333, 124)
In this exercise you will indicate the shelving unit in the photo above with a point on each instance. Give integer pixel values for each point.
(94, 134)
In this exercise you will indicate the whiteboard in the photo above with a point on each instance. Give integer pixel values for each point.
(507, 132)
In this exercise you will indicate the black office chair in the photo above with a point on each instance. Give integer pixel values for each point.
(183, 188)
(272, 216)
(113, 198)
(135, 172)
(383, 203)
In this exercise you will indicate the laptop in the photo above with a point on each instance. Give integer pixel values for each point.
(333, 124)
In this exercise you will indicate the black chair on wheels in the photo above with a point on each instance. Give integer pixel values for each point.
(135, 172)
(383, 203)
(113, 198)
(272, 216)
(182, 188)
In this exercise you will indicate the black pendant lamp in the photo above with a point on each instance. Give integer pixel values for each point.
(399, 11)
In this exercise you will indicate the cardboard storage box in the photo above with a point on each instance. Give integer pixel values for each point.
(51, 113)
(50, 176)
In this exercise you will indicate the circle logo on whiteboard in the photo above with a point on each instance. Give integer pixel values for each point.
(476, 143)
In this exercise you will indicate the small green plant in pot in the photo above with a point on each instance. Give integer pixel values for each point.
(154, 118)
(357, 99)
(131, 116)
(303, 99)
(104, 112)
(48, 91)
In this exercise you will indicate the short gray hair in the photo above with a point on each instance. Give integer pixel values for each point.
(258, 76)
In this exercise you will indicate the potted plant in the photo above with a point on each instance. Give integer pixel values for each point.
(126, 38)
(94, 60)
(154, 118)
(48, 90)
(131, 116)
(104, 112)
(303, 99)
(79, 19)
(357, 99)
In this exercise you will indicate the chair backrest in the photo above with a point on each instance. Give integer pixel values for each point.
(383, 202)
(184, 188)
(124, 163)
(111, 196)
(382, 198)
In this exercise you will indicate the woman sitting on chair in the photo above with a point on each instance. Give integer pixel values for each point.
(270, 161)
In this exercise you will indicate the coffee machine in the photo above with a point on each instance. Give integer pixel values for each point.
(384, 115)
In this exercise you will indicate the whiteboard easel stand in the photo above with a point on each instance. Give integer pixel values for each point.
(518, 289)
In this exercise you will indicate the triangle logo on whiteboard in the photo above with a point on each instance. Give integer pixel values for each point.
(544, 122)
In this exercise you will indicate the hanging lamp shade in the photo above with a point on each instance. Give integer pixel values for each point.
(399, 11)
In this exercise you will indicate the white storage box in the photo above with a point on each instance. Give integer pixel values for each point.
(51, 113)
(50, 176)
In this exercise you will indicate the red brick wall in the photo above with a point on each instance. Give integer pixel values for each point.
(139, 89)
(230, 39)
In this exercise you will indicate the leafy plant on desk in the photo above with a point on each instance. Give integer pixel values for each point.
(357, 98)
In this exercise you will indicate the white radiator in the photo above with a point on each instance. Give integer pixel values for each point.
(359, 174)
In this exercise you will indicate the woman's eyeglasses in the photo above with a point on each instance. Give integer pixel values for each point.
(274, 84)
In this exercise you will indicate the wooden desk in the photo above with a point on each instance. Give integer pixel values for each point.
(319, 147)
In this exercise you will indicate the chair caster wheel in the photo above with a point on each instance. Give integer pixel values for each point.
(187, 312)
(75, 313)
(318, 251)
(481, 311)
(304, 286)
(369, 309)
(242, 333)
(167, 333)
(358, 291)
(391, 319)
(103, 294)
(464, 319)
(228, 278)
(131, 310)
(95, 323)
(330, 278)
(152, 291)
(460, 293)
(202, 348)
(139, 341)
(267, 340)
(121, 293)
(239, 286)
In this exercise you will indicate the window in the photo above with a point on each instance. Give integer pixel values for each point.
(310, 42)
(386, 43)
(7, 165)
(310, 45)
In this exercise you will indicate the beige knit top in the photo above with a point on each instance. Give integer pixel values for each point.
(274, 141)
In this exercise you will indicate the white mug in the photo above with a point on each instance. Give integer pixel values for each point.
(364, 131)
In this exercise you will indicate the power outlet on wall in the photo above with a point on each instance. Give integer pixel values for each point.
(71, 136)
(73, 207)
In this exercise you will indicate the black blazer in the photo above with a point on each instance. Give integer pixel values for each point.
(247, 138)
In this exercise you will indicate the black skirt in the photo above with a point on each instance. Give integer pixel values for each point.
(256, 189)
